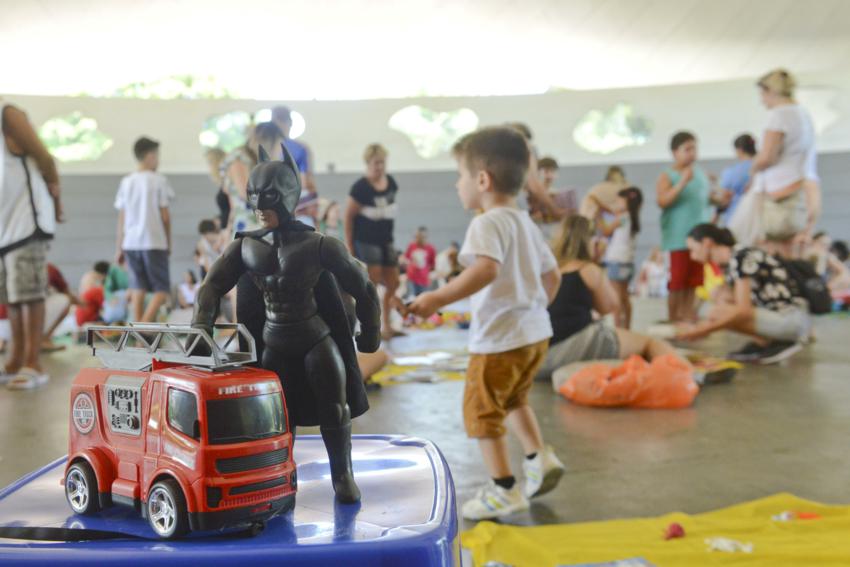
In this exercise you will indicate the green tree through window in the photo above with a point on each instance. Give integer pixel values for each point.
(600, 132)
(433, 132)
(74, 137)
(230, 130)
(175, 87)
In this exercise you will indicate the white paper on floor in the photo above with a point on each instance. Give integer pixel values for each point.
(429, 359)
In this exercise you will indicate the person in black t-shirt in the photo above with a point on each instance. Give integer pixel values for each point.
(369, 223)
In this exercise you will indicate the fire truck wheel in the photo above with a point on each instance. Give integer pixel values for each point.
(81, 488)
(167, 513)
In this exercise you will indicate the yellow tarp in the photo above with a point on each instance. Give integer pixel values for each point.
(797, 542)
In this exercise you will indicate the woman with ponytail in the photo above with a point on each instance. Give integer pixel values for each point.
(764, 300)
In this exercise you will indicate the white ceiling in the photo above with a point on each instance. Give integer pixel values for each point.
(279, 49)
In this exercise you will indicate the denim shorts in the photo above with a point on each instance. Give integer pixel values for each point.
(148, 270)
(620, 271)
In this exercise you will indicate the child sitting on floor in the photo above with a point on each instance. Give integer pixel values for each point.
(91, 294)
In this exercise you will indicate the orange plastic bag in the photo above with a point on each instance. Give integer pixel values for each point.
(666, 383)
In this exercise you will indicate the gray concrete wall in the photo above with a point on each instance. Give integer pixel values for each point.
(425, 198)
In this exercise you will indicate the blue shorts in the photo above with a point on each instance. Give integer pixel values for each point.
(620, 271)
(148, 270)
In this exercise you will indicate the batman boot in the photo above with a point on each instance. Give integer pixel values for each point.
(338, 445)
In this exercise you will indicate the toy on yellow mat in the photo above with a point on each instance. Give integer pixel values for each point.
(789, 515)
(674, 531)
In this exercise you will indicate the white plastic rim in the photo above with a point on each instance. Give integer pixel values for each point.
(161, 511)
(77, 490)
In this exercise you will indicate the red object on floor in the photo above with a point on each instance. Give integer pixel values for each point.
(674, 531)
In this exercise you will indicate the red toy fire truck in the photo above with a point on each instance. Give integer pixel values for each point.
(193, 442)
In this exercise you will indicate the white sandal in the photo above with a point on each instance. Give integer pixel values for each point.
(28, 379)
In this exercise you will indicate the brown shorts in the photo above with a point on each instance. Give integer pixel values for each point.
(497, 384)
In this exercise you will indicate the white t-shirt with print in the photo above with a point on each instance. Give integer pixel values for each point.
(797, 157)
(141, 195)
(510, 312)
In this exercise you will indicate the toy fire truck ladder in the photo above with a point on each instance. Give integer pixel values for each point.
(135, 346)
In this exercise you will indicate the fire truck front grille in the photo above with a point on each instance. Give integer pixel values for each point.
(245, 488)
(252, 462)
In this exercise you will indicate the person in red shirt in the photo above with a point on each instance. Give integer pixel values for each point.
(91, 294)
(421, 260)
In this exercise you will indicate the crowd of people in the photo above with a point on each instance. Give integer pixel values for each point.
(541, 279)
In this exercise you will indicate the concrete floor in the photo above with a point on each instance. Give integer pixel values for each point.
(775, 429)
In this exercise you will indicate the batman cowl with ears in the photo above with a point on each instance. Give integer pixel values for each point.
(298, 317)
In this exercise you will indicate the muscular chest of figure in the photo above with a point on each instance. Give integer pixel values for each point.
(286, 273)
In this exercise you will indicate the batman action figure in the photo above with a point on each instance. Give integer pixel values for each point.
(298, 318)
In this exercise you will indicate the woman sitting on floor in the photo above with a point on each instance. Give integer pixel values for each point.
(762, 300)
(584, 289)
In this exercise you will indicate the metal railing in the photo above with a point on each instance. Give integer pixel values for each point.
(135, 346)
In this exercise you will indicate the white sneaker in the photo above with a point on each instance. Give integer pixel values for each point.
(493, 501)
(542, 473)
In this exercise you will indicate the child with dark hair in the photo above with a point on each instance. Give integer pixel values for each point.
(735, 178)
(144, 230)
(837, 273)
(209, 246)
(619, 257)
(187, 290)
(683, 193)
(92, 295)
(511, 277)
(765, 302)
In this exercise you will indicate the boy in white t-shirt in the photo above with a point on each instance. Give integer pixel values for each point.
(144, 231)
(511, 276)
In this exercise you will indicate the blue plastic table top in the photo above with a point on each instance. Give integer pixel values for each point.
(407, 517)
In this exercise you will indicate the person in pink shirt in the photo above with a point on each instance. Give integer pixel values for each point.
(421, 260)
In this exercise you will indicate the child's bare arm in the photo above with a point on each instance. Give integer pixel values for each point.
(551, 283)
(166, 222)
(119, 239)
(608, 228)
(480, 274)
